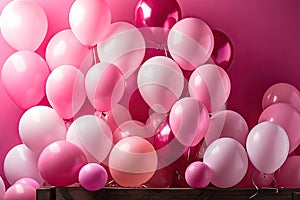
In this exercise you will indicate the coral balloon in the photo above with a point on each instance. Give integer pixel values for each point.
(24, 24)
(132, 161)
(20, 191)
(60, 162)
(198, 175)
(287, 173)
(24, 76)
(190, 43)
(89, 20)
(65, 90)
(211, 85)
(92, 177)
(267, 146)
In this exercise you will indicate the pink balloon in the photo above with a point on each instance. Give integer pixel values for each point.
(189, 121)
(288, 173)
(160, 82)
(21, 162)
(39, 126)
(20, 191)
(2, 188)
(131, 47)
(198, 175)
(92, 135)
(288, 118)
(267, 146)
(60, 162)
(138, 108)
(282, 93)
(24, 76)
(162, 178)
(104, 85)
(29, 181)
(24, 24)
(65, 49)
(211, 85)
(89, 20)
(92, 177)
(65, 90)
(190, 43)
(132, 161)
(228, 160)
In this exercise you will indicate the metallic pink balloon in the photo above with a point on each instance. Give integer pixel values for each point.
(222, 54)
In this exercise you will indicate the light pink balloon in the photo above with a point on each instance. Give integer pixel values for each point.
(227, 123)
(211, 85)
(65, 49)
(20, 191)
(288, 173)
(29, 181)
(2, 188)
(267, 146)
(198, 175)
(288, 118)
(160, 81)
(131, 47)
(190, 43)
(65, 90)
(92, 135)
(104, 85)
(21, 162)
(24, 24)
(89, 20)
(39, 126)
(24, 76)
(189, 121)
(228, 160)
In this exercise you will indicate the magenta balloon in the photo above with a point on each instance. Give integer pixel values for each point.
(60, 162)
(281, 93)
(161, 179)
(138, 108)
(24, 76)
(228, 160)
(92, 177)
(198, 175)
(288, 118)
(163, 135)
(287, 174)
(20, 191)
(267, 146)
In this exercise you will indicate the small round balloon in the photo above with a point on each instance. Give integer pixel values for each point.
(198, 175)
(92, 176)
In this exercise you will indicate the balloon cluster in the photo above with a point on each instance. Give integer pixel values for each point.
(139, 105)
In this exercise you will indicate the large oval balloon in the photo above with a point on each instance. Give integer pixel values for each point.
(65, 90)
(267, 146)
(24, 24)
(24, 76)
(130, 49)
(190, 43)
(89, 20)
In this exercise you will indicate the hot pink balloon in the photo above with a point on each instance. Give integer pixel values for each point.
(89, 20)
(211, 85)
(92, 177)
(20, 191)
(198, 175)
(65, 90)
(228, 160)
(104, 85)
(288, 118)
(29, 181)
(287, 174)
(24, 24)
(190, 43)
(65, 49)
(281, 93)
(189, 121)
(60, 162)
(24, 76)
(267, 146)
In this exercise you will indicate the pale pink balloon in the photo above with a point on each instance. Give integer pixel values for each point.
(92, 135)
(228, 160)
(104, 85)
(131, 47)
(198, 175)
(282, 93)
(160, 81)
(288, 173)
(20, 191)
(29, 181)
(227, 123)
(24, 76)
(267, 146)
(89, 20)
(65, 90)
(211, 85)
(189, 121)
(24, 24)
(2, 188)
(190, 43)
(65, 49)
(21, 162)
(288, 118)
(39, 126)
